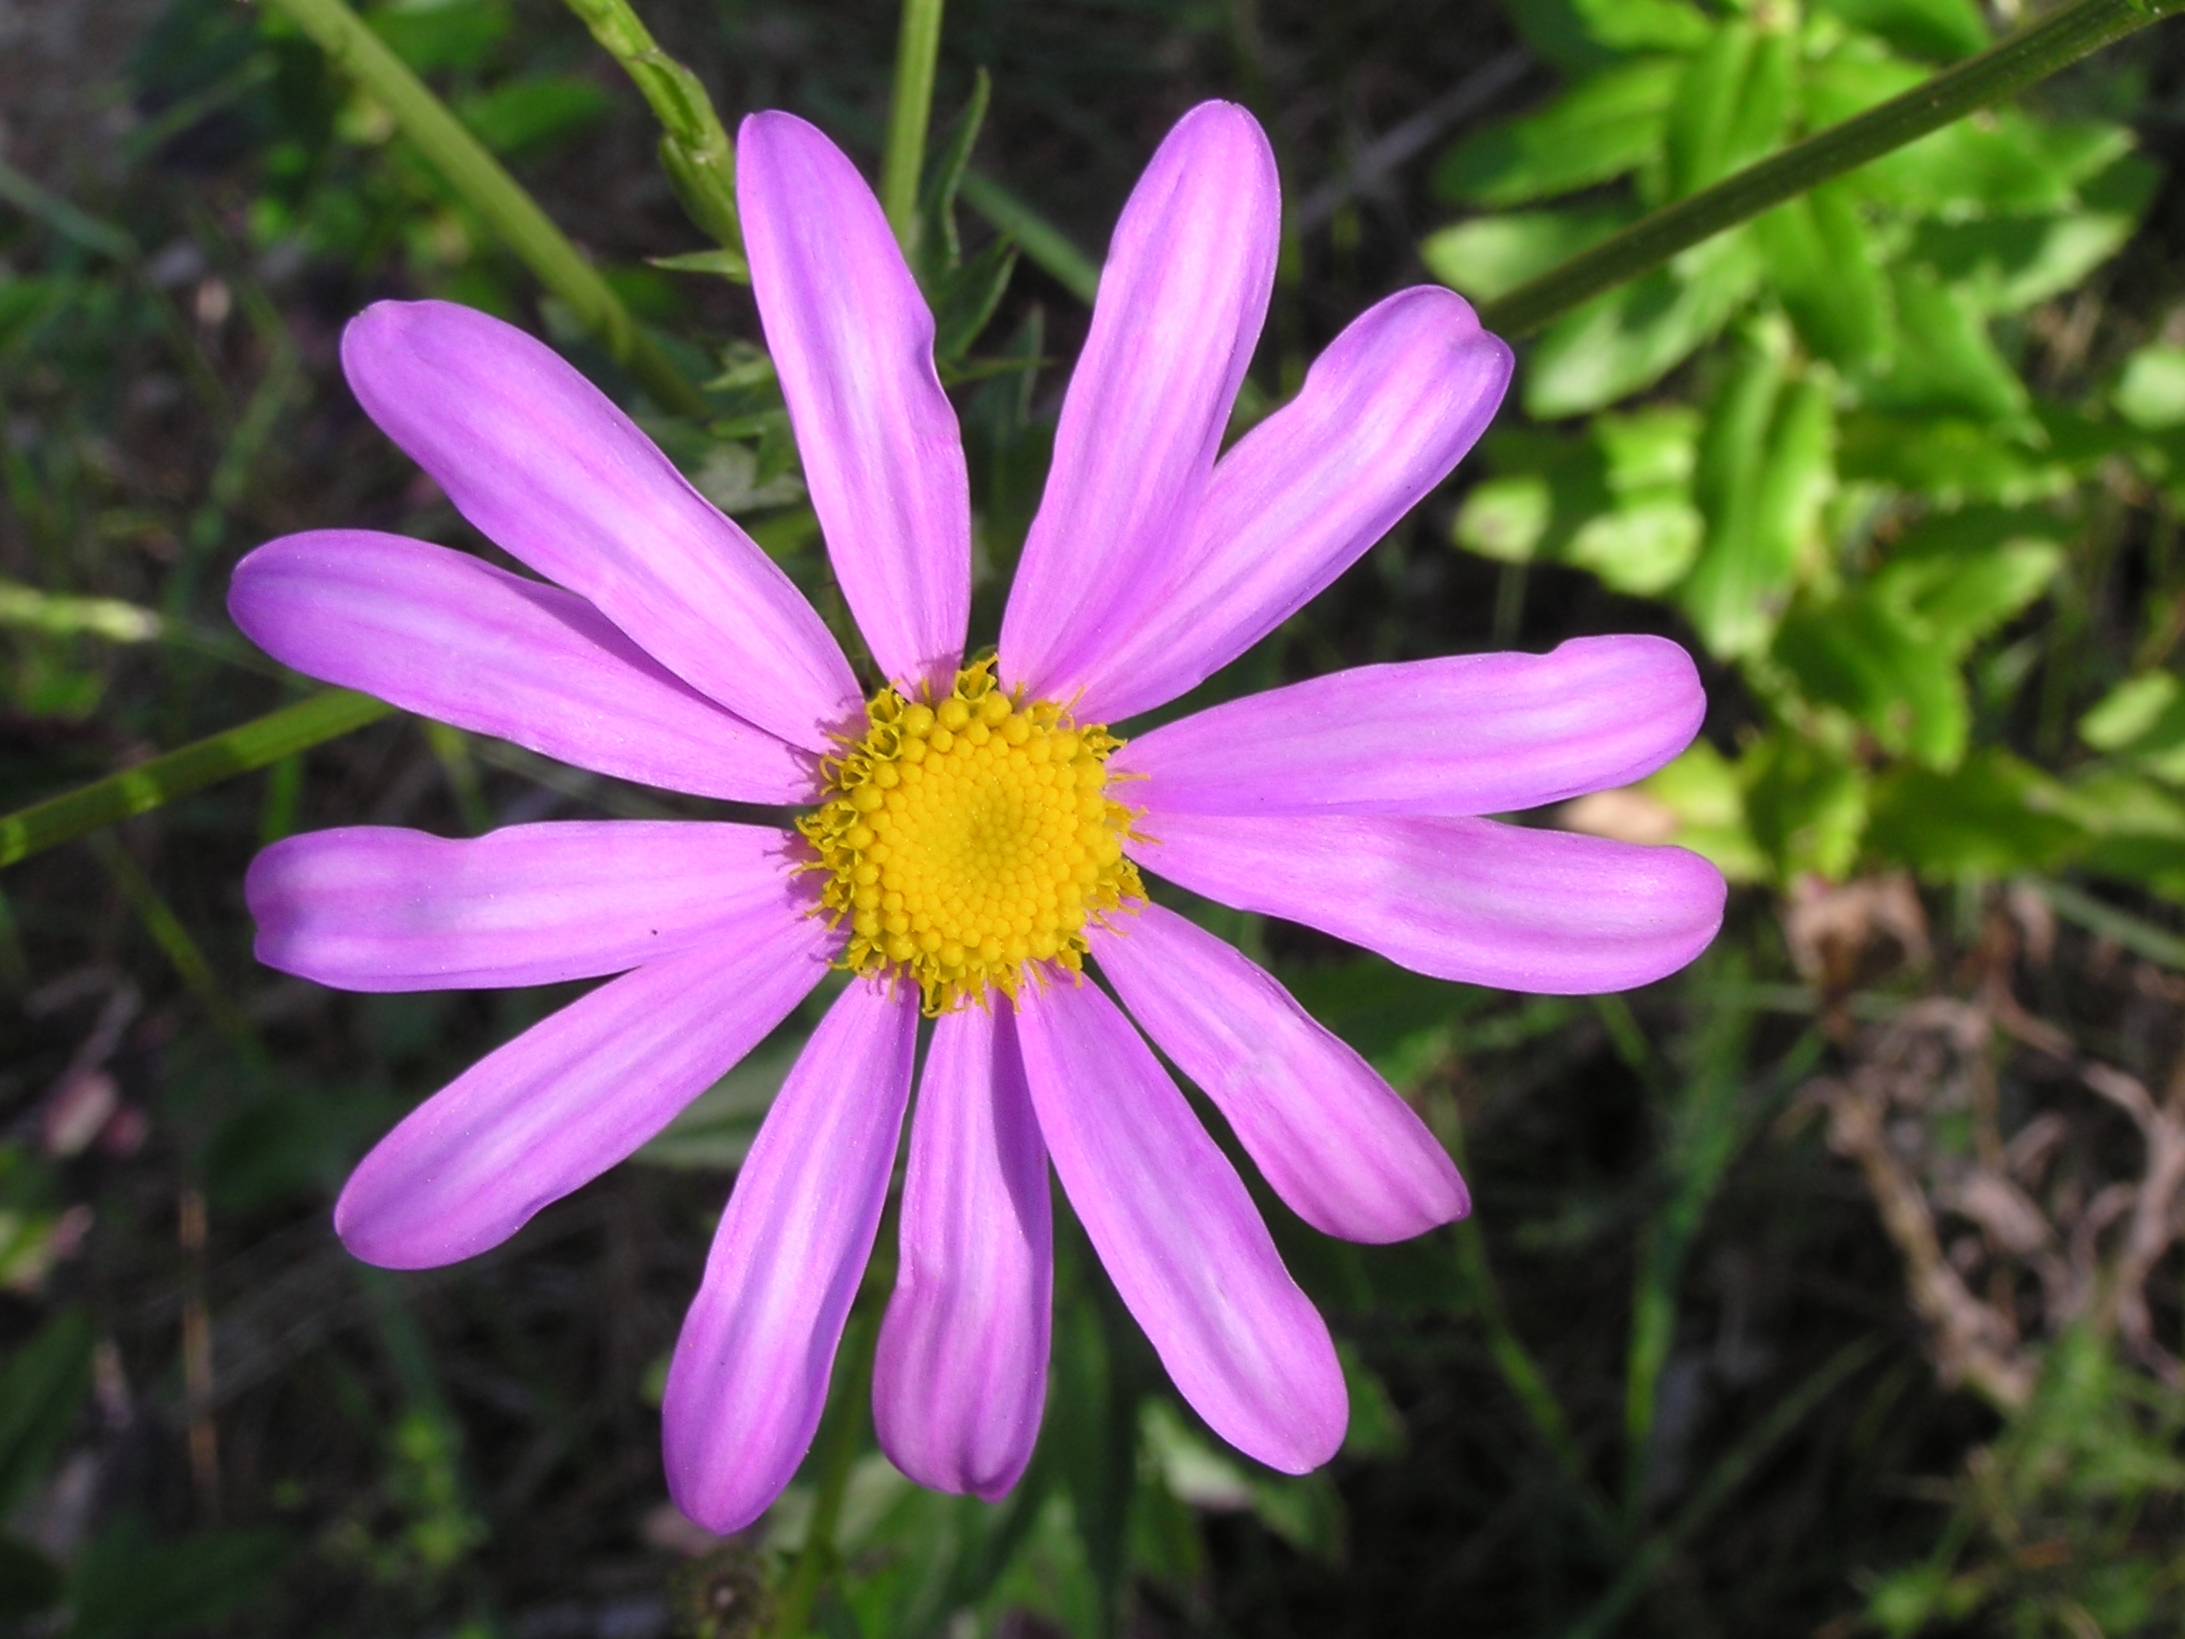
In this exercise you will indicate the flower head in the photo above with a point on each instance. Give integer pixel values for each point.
(972, 834)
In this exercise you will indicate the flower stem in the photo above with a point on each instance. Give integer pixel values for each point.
(485, 184)
(2005, 69)
(320, 717)
(837, 1455)
(695, 149)
(909, 114)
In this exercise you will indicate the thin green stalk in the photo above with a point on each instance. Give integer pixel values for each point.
(910, 112)
(309, 722)
(695, 149)
(837, 1456)
(172, 938)
(2003, 70)
(1731, 1472)
(498, 197)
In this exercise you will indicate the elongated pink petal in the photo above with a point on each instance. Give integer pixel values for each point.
(542, 462)
(1178, 1234)
(1469, 899)
(1333, 1139)
(571, 1096)
(1179, 310)
(853, 341)
(961, 1374)
(1472, 734)
(1385, 412)
(376, 907)
(442, 634)
(749, 1377)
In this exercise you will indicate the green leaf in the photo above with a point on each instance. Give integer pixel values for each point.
(1631, 337)
(2005, 164)
(1822, 268)
(41, 1388)
(1962, 575)
(965, 299)
(1601, 129)
(1730, 106)
(2144, 719)
(440, 34)
(528, 115)
(1862, 655)
(127, 1586)
(1806, 806)
(1484, 258)
(1643, 547)
(1644, 25)
(1944, 30)
(1506, 519)
(1766, 466)
(728, 264)
(1945, 361)
(2003, 264)
(2151, 392)
(1990, 816)
(1704, 795)
(1950, 459)
(939, 248)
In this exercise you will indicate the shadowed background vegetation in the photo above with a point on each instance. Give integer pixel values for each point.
(1832, 1287)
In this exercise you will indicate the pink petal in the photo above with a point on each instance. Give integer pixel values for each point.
(1178, 1234)
(1469, 899)
(440, 633)
(853, 341)
(549, 469)
(571, 1096)
(962, 1370)
(1384, 414)
(1472, 734)
(749, 1377)
(1181, 300)
(1332, 1137)
(375, 907)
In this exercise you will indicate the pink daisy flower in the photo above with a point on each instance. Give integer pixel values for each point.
(973, 833)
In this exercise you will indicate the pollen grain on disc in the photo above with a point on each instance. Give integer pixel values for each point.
(968, 838)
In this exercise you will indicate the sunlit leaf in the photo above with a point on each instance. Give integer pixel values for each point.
(1942, 29)
(1823, 269)
(1636, 334)
(1482, 259)
(1601, 129)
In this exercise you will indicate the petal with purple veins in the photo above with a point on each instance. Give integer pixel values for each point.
(749, 1376)
(1179, 310)
(1332, 1138)
(852, 338)
(1469, 899)
(1464, 735)
(1178, 1234)
(558, 477)
(1384, 414)
(377, 907)
(961, 1374)
(571, 1096)
(445, 635)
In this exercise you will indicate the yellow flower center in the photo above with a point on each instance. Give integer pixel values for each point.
(970, 838)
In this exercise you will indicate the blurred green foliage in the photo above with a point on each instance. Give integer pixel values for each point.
(1885, 457)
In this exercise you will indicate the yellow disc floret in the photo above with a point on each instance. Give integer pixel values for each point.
(970, 838)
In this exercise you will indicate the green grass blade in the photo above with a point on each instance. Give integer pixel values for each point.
(485, 183)
(910, 113)
(222, 756)
(1044, 245)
